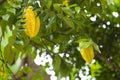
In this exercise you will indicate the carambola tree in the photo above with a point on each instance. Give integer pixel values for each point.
(61, 39)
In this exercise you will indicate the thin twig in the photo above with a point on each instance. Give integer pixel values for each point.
(48, 40)
(109, 62)
(43, 46)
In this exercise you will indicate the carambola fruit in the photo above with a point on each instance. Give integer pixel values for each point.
(87, 54)
(32, 22)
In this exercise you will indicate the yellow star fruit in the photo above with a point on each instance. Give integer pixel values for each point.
(87, 53)
(65, 2)
(32, 23)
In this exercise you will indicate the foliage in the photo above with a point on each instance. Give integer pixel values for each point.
(62, 25)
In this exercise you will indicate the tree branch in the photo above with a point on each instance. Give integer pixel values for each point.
(43, 46)
(108, 61)
(35, 68)
(48, 40)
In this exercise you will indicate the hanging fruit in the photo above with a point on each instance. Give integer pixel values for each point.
(86, 51)
(65, 2)
(32, 22)
(87, 54)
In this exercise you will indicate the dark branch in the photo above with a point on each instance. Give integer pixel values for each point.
(35, 68)
(36, 45)
(108, 61)
(48, 40)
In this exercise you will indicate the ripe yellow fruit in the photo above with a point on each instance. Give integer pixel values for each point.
(87, 54)
(1, 69)
(32, 23)
(2, 74)
(37, 24)
(65, 2)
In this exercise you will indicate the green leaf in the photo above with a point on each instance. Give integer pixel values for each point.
(63, 47)
(69, 22)
(68, 11)
(52, 20)
(96, 47)
(15, 3)
(15, 67)
(9, 55)
(12, 10)
(57, 63)
(84, 43)
(6, 48)
(79, 24)
(6, 17)
(104, 2)
(18, 47)
(37, 76)
(51, 27)
(49, 3)
(77, 9)
(57, 7)
(95, 69)
(28, 49)
(45, 17)
(5, 38)
(117, 2)
(3, 26)
(65, 69)
(0, 33)
(95, 9)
